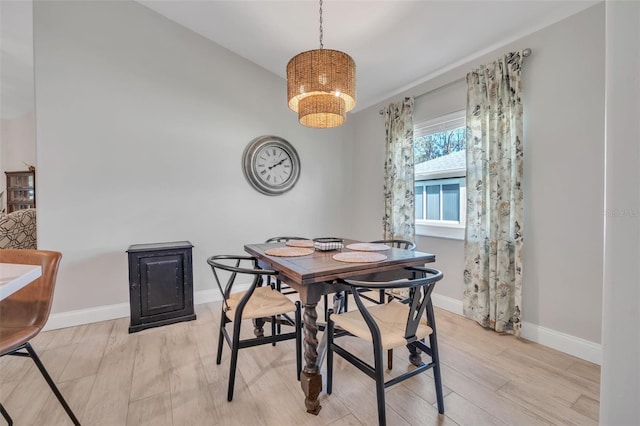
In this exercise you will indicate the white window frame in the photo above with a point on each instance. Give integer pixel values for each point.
(446, 228)
(440, 228)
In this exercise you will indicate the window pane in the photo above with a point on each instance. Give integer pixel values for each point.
(451, 202)
(419, 202)
(433, 202)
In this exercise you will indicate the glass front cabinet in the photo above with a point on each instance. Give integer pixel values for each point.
(21, 190)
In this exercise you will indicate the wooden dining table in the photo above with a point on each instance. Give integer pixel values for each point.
(317, 274)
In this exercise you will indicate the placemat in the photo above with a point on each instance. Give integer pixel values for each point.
(359, 257)
(288, 251)
(368, 247)
(300, 243)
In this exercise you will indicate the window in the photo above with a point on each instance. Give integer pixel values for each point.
(440, 169)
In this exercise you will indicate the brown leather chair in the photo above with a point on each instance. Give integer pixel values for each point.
(24, 313)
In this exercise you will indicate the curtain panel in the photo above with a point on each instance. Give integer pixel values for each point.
(493, 241)
(399, 198)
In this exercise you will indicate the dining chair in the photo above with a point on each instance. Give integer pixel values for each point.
(283, 288)
(259, 301)
(390, 325)
(396, 243)
(24, 313)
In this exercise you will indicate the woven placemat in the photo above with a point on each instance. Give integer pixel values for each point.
(300, 243)
(288, 251)
(368, 247)
(359, 257)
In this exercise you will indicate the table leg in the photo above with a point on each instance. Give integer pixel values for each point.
(258, 327)
(311, 379)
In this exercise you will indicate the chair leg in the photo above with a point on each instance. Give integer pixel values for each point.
(326, 307)
(298, 339)
(379, 377)
(52, 385)
(279, 288)
(6, 415)
(274, 327)
(234, 360)
(435, 356)
(437, 378)
(329, 332)
(220, 341)
(390, 359)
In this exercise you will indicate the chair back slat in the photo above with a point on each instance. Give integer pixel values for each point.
(234, 265)
(284, 239)
(419, 298)
(397, 243)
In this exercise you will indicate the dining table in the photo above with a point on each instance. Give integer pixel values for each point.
(14, 276)
(317, 274)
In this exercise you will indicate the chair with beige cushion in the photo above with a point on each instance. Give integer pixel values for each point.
(394, 243)
(285, 289)
(261, 300)
(24, 313)
(387, 326)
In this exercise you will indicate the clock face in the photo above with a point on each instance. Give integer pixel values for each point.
(271, 165)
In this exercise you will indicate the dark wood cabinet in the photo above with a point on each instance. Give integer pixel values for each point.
(21, 190)
(160, 284)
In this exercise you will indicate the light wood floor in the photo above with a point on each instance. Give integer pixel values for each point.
(168, 376)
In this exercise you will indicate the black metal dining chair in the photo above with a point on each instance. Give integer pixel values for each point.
(260, 301)
(283, 288)
(390, 325)
(394, 243)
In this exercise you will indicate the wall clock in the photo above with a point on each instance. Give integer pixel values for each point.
(271, 165)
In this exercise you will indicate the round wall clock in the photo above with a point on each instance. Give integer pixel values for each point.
(271, 165)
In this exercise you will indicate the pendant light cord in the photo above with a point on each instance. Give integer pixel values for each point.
(321, 45)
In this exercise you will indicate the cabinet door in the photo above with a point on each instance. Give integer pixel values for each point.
(161, 284)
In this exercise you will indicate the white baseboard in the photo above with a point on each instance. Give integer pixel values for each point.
(563, 342)
(87, 316)
(581, 348)
(120, 310)
(447, 303)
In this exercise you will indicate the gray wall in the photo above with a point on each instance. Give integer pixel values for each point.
(141, 125)
(620, 384)
(564, 180)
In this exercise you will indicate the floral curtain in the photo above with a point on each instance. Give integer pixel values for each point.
(493, 242)
(399, 199)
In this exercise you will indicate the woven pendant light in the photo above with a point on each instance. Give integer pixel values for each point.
(321, 85)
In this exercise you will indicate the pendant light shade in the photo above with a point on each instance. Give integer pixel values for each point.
(321, 86)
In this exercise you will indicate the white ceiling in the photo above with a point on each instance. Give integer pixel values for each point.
(395, 43)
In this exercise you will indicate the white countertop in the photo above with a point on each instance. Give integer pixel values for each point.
(15, 276)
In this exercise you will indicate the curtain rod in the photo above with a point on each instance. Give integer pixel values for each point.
(526, 52)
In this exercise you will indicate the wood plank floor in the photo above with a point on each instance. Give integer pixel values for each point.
(168, 376)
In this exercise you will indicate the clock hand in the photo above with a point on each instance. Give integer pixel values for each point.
(277, 164)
